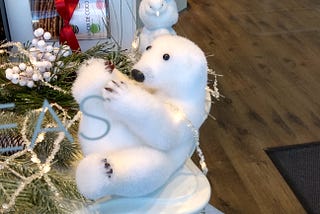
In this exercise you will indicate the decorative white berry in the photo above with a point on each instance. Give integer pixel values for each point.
(52, 58)
(44, 64)
(9, 75)
(9, 70)
(15, 76)
(46, 75)
(47, 55)
(35, 41)
(38, 32)
(39, 55)
(22, 82)
(42, 69)
(41, 43)
(42, 49)
(47, 35)
(22, 66)
(66, 51)
(37, 64)
(35, 77)
(48, 64)
(29, 69)
(49, 48)
(15, 80)
(56, 50)
(29, 76)
(16, 69)
(30, 84)
(34, 51)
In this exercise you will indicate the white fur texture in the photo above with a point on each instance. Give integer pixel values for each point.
(158, 17)
(149, 138)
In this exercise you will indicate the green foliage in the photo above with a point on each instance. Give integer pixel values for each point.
(27, 99)
(38, 196)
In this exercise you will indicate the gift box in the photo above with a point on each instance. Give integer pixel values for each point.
(90, 20)
(119, 16)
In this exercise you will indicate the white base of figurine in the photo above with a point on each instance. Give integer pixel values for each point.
(187, 192)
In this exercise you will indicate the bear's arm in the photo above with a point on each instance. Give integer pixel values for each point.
(155, 121)
(92, 75)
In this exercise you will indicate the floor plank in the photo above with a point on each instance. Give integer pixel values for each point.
(268, 53)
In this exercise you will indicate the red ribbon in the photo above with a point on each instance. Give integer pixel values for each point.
(65, 9)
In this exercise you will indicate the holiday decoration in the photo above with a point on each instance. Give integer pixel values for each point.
(31, 179)
(124, 122)
(36, 155)
(41, 70)
(65, 9)
(90, 19)
(136, 134)
(44, 15)
(42, 57)
(157, 16)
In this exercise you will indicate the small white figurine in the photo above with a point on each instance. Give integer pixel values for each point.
(158, 17)
(152, 120)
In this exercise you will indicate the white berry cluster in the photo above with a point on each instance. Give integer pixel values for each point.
(43, 61)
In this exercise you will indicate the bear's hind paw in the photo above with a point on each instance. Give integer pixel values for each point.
(108, 168)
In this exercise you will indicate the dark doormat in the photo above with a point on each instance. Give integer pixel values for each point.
(300, 167)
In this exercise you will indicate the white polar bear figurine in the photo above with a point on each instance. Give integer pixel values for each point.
(151, 119)
(158, 17)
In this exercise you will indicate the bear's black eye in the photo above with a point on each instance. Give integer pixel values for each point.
(149, 47)
(166, 57)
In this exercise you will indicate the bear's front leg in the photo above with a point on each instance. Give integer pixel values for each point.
(130, 172)
(157, 123)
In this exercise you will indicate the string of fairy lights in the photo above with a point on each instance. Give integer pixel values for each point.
(43, 57)
(43, 167)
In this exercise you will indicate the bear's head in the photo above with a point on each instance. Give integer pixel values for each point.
(174, 66)
(158, 13)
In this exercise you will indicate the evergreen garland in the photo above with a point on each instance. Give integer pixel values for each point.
(55, 191)
(37, 197)
(27, 99)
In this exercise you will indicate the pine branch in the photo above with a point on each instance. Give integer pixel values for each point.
(31, 98)
(38, 197)
(69, 151)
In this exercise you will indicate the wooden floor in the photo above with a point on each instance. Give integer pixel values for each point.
(268, 52)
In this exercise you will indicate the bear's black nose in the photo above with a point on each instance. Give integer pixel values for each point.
(137, 75)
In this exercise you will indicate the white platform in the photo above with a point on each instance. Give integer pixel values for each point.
(187, 192)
